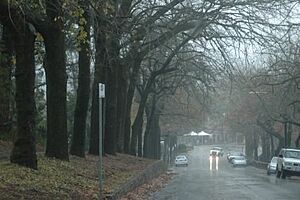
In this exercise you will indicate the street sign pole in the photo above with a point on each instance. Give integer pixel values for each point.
(101, 97)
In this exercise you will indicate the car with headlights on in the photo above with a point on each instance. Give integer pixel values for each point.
(271, 168)
(239, 161)
(288, 163)
(217, 150)
(214, 152)
(181, 160)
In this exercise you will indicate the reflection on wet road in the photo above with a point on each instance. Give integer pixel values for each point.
(213, 163)
(212, 178)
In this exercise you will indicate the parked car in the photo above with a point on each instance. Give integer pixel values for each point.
(288, 163)
(181, 160)
(231, 156)
(239, 161)
(271, 168)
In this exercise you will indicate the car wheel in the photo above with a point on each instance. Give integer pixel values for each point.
(283, 174)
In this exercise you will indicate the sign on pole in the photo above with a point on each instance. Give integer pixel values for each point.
(101, 90)
(101, 97)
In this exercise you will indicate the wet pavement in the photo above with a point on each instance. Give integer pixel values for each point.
(218, 180)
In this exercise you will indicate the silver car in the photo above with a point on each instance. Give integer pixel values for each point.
(232, 156)
(181, 160)
(239, 161)
(271, 168)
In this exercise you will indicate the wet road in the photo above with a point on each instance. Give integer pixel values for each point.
(202, 181)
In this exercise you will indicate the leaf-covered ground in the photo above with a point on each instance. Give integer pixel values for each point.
(145, 191)
(55, 179)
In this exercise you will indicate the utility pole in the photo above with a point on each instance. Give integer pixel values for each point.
(100, 168)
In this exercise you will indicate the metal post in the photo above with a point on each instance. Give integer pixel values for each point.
(100, 148)
(101, 96)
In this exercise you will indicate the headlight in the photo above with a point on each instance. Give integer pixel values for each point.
(288, 164)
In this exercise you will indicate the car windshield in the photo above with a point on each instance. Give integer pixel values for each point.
(180, 157)
(292, 154)
(274, 160)
(240, 158)
(236, 154)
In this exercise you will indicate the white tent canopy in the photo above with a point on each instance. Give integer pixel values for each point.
(202, 133)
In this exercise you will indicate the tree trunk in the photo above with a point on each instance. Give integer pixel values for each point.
(272, 145)
(289, 134)
(255, 146)
(127, 125)
(121, 107)
(94, 133)
(24, 150)
(128, 138)
(57, 136)
(149, 125)
(83, 91)
(265, 147)
(110, 138)
(249, 146)
(111, 119)
(137, 127)
(268, 127)
(122, 83)
(152, 147)
(140, 139)
(297, 141)
(5, 82)
(280, 145)
(147, 141)
(155, 132)
(157, 139)
(99, 77)
(130, 94)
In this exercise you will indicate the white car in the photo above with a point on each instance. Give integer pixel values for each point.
(271, 168)
(181, 160)
(219, 150)
(239, 161)
(232, 156)
(288, 163)
(214, 152)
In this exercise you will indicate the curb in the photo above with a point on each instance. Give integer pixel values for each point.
(259, 164)
(150, 172)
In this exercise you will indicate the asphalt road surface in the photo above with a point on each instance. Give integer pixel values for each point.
(218, 180)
